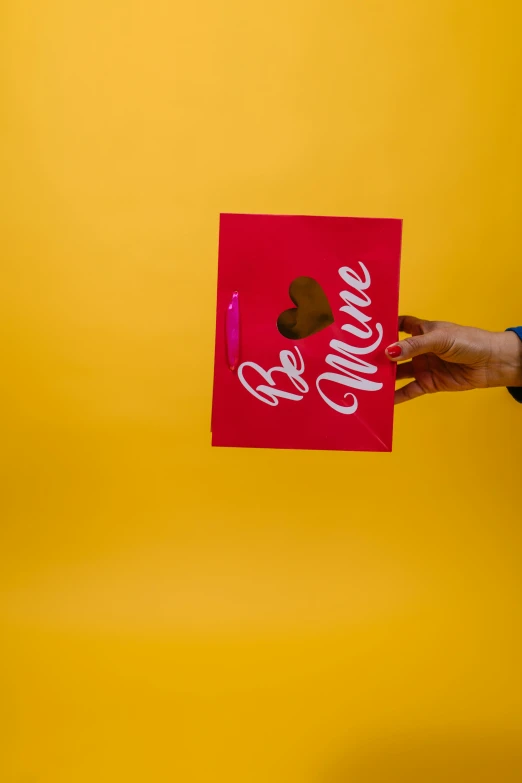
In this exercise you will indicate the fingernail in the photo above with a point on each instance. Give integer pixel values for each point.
(394, 351)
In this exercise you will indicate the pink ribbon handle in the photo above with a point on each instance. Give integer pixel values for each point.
(232, 332)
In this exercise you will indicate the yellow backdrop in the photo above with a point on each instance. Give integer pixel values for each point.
(335, 617)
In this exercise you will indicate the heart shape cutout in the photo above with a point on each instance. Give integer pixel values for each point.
(311, 314)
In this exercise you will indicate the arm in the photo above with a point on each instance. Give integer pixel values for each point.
(442, 356)
(516, 391)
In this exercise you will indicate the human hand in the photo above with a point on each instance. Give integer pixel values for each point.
(447, 357)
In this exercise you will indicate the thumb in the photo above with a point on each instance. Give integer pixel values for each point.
(438, 342)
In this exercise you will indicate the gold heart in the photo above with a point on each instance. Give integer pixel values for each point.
(311, 314)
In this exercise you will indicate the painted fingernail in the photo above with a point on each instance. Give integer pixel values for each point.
(394, 351)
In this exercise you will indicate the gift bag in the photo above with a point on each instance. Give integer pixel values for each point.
(306, 306)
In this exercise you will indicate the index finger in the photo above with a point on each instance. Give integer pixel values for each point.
(411, 325)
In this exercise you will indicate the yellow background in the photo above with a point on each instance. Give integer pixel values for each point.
(174, 613)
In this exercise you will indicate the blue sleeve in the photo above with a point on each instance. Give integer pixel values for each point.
(516, 392)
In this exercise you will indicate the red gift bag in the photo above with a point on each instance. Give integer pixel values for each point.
(305, 309)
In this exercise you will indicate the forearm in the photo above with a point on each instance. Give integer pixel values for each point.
(515, 389)
(506, 361)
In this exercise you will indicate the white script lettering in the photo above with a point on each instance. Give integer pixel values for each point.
(350, 370)
(349, 359)
(289, 367)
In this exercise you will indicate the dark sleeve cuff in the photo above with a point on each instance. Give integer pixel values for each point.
(516, 392)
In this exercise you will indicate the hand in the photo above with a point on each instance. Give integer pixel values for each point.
(447, 357)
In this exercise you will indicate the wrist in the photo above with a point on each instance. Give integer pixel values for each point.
(507, 360)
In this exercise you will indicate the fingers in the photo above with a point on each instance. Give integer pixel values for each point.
(409, 392)
(405, 371)
(438, 342)
(411, 325)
